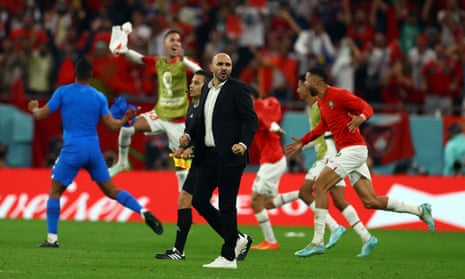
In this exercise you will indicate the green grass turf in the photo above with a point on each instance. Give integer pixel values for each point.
(126, 250)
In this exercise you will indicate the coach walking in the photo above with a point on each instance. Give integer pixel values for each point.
(224, 129)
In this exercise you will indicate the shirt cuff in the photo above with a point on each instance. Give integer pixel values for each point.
(243, 144)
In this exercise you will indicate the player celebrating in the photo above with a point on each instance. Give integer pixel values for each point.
(272, 167)
(81, 109)
(168, 115)
(342, 113)
(324, 150)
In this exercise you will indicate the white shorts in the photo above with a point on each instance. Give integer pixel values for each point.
(174, 130)
(351, 161)
(268, 175)
(316, 169)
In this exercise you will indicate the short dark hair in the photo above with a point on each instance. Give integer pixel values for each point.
(83, 69)
(302, 77)
(319, 71)
(206, 75)
(171, 31)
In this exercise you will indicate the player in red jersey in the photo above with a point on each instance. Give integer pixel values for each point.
(342, 113)
(272, 166)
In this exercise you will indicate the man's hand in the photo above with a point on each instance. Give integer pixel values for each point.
(179, 152)
(355, 122)
(33, 105)
(238, 149)
(184, 140)
(188, 153)
(293, 148)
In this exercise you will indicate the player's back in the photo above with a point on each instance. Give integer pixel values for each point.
(81, 108)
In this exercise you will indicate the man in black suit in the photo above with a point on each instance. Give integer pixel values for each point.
(224, 128)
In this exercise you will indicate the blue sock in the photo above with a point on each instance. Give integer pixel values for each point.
(127, 200)
(53, 215)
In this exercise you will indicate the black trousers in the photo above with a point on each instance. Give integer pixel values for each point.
(212, 174)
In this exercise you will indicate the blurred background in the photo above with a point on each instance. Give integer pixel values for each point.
(405, 57)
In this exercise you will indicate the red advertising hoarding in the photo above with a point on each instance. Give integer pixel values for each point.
(23, 195)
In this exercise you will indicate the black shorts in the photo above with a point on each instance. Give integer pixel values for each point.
(189, 183)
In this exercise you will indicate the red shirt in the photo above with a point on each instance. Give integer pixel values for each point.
(268, 143)
(335, 107)
(440, 76)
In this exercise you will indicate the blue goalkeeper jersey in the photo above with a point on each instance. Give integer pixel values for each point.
(81, 106)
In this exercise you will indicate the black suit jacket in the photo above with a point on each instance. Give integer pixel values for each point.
(234, 121)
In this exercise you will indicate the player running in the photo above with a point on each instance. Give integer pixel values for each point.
(342, 113)
(82, 106)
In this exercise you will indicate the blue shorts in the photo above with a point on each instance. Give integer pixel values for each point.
(72, 158)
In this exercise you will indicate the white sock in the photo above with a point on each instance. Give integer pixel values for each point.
(265, 225)
(352, 217)
(285, 198)
(330, 222)
(319, 223)
(181, 175)
(52, 237)
(124, 142)
(402, 207)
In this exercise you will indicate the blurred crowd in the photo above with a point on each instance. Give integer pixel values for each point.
(398, 55)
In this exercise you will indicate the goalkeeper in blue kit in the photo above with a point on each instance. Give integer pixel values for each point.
(82, 107)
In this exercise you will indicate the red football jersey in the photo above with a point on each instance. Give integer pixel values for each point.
(335, 107)
(268, 143)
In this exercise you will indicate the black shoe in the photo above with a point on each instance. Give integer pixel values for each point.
(153, 222)
(47, 244)
(245, 251)
(172, 254)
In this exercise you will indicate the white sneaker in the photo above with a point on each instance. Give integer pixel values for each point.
(241, 244)
(117, 168)
(221, 262)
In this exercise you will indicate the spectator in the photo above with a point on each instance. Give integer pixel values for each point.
(348, 57)
(440, 82)
(277, 70)
(376, 59)
(454, 152)
(361, 30)
(40, 66)
(13, 65)
(27, 34)
(449, 20)
(398, 87)
(417, 57)
(253, 20)
(314, 47)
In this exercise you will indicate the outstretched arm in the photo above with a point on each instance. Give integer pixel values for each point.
(38, 113)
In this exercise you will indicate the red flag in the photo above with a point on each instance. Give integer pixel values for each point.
(388, 138)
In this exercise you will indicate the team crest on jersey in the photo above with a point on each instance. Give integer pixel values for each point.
(331, 104)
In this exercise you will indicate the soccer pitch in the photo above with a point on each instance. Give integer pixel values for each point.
(126, 250)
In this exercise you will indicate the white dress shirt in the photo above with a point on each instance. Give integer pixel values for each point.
(208, 112)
